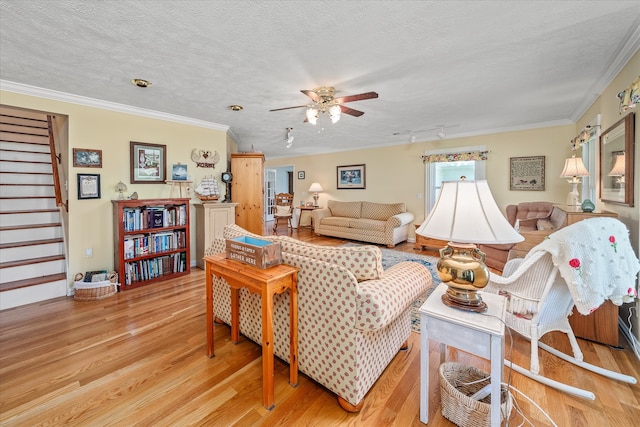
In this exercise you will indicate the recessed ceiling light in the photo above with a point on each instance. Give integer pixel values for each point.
(235, 107)
(140, 82)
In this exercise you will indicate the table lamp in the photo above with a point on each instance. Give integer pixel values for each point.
(121, 188)
(315, 188)
(574, 169)
(618, 171)
(464, 215)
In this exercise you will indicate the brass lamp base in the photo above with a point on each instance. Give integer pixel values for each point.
(461, 267)
(479, 307)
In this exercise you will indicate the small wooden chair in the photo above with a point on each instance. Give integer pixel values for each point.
(283, 211)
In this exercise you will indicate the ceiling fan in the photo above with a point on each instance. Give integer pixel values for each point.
(324, 101)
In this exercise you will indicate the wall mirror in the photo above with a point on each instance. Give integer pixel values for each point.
(616, 162)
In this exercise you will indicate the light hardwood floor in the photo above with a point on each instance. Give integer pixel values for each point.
(139, 359)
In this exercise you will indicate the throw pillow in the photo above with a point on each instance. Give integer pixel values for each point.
(283, 210)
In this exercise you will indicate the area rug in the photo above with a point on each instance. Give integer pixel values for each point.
(391, 257)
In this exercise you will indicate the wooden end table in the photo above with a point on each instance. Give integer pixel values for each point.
(267, 282)
(306, 208)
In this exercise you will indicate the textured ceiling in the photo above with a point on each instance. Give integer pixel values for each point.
(478, 67)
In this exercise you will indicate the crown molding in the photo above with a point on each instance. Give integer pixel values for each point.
(106, 105)
(619, 59)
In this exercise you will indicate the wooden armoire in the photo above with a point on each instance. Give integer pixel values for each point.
(247, 190)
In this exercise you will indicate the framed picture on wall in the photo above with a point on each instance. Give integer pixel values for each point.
(351, 177)
(85, 158)
(527, 173)
(148, 163)
(88, 186)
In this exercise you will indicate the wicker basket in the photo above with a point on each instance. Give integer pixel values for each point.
(457, 405)
(92, 291)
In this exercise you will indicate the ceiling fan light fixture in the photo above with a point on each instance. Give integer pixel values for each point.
(312, 115)
(334, 113)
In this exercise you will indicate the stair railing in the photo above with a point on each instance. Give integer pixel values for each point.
(56, 159)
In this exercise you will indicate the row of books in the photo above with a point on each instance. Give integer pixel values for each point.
(148, 269)
(144, 244)
(154, 217)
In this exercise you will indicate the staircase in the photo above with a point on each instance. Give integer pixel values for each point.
(32, 251)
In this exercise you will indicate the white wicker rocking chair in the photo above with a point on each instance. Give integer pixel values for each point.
(539, 302)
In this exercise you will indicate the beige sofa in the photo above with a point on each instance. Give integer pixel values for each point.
(380, 223)
(353, 316)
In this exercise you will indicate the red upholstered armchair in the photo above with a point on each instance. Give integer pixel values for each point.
(525, 216)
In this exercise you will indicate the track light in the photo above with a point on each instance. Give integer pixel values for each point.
(441, 134)
(412, 139)
(290, 138)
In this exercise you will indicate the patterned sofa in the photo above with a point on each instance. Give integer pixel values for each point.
(381, 223)
(353, 316)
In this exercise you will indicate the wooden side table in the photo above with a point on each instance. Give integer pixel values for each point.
(427, 242)
(267, 283)
(600, 326)
(306, 208)
(479, 334)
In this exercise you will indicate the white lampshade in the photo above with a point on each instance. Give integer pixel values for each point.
(618, 167)
(573, 167)
(315, 187)
(467, 213)
(312, 115)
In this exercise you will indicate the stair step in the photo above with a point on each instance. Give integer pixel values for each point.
(19, 235)
(10, 114)
(24, 156)
(30, 243)
(23, 138)
(32, 211)
(36, 129)
(24, 146)
(13, 270)
(23, 262)
(28, 226)
(24, 283)
(25, 167)
(14, 204)
(34, 294)
(31, 249)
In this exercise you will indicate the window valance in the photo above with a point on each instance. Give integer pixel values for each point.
(455, 157)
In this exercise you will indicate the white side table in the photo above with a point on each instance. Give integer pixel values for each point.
(479, 334)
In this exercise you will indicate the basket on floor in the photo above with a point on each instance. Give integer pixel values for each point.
(455, 391)
(92, 291)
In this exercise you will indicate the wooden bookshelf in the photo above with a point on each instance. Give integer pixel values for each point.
(151, 240)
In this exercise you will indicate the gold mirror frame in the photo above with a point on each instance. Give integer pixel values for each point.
(616, 162)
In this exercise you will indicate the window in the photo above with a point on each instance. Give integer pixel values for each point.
(438, 172)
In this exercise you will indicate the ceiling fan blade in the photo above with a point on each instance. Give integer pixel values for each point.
(358, 97)
(289, 108)
(351, 111)
(311, 94)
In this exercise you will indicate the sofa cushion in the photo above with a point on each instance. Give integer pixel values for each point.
(339, 221)
(367, 224)
(283, 210)
(345, 209)
(381, 211)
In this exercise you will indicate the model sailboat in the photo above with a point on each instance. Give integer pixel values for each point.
(208, 190)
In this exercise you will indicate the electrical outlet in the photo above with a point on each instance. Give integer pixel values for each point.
(88, 252)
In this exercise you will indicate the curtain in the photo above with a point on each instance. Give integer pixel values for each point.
(455, 157)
